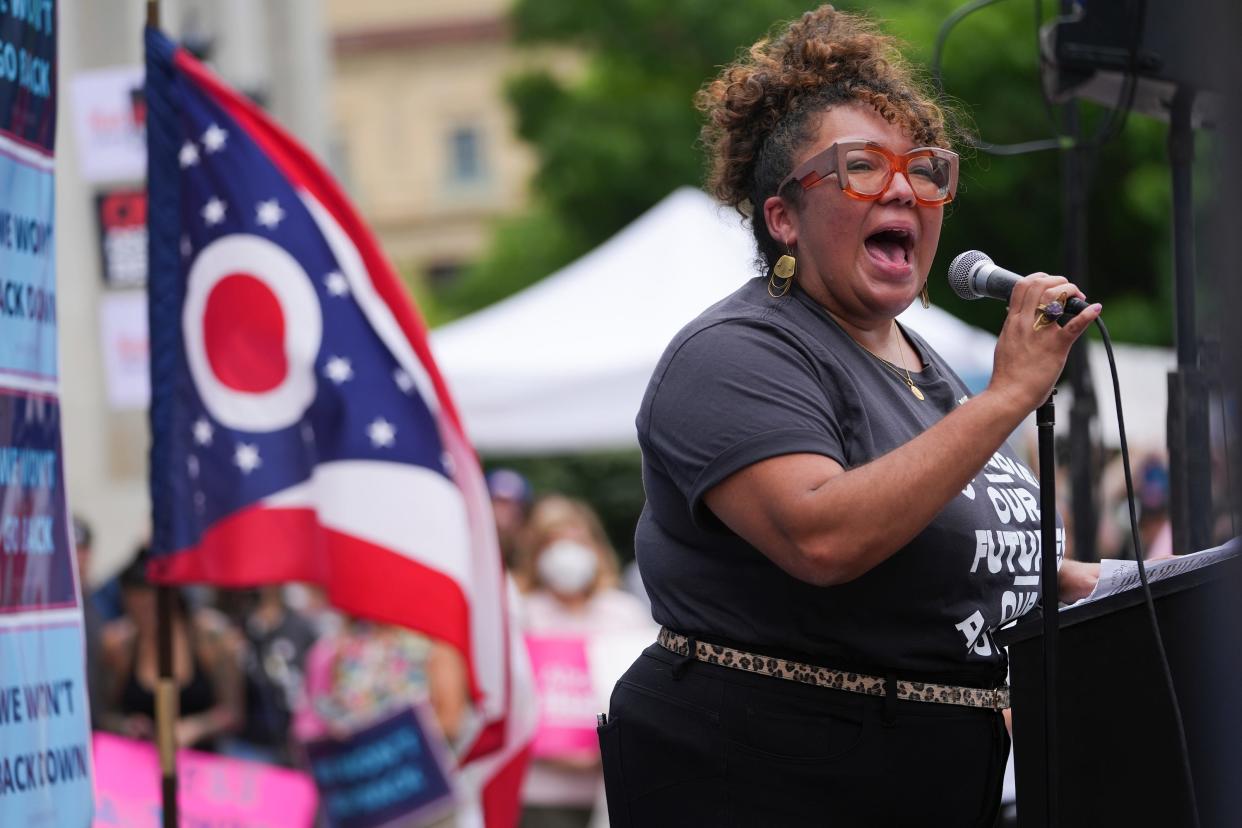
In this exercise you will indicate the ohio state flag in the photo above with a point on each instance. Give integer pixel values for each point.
(301, 430)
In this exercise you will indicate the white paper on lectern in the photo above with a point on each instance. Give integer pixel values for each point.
(1118, 576)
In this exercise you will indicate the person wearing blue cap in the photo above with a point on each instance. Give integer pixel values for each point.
(511, 499)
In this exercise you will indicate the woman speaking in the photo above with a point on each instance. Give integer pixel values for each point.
(834, 527)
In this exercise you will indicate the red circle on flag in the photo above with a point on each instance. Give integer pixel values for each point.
(268, 386)
(244, 334)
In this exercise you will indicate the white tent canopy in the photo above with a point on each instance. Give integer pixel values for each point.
(561, 366)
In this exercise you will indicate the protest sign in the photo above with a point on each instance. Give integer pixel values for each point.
(393, 769)
(212, 791)
(567, 698)
(45, 765)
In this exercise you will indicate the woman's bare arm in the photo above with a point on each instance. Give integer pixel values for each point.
(219, 656)
(825, 525)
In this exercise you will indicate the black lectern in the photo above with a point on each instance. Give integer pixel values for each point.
(1118, 761)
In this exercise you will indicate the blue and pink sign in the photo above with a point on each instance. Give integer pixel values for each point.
(395, 771)
(45, 751)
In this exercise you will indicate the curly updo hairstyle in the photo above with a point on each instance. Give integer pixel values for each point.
(762, 107)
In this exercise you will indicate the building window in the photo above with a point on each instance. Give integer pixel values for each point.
(466, 156)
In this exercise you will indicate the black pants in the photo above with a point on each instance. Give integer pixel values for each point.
(691, 744)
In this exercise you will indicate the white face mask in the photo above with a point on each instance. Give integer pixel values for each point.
(567, 567)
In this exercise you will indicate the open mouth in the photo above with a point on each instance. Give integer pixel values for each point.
(891, 245)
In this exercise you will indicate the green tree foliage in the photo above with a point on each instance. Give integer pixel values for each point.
(1011, 206)
(624, 134)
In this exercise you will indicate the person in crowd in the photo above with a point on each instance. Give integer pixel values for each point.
(205, 666)
(834, 525)
(92, 624)
(511, 498)
(104, 598)
(1155, 527)
(572, 572)
(311, 602)
(1150, 475)
(366, 670)
(274, 642)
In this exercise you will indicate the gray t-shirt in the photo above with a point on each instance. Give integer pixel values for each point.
(755, 377)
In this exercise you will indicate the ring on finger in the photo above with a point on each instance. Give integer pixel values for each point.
(1049, 313)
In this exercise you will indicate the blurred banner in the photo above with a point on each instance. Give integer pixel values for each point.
(126, 352)
(45, 765)
(301, 430)
(122, 217)
(213, 790)
(109, 122)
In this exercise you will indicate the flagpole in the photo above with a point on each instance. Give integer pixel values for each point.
(166, 708)
(166, 686)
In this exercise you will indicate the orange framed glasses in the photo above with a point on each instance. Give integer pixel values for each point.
(864, 170)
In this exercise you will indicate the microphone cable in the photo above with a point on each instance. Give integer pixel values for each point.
(937, 61)
(1118, 114)
(1183, 745)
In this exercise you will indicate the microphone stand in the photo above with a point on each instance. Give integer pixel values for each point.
(1045, 419)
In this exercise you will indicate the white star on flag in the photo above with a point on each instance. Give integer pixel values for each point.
(336, 283)
(308, 433)
(403, 379)
(186, 247)
(381, 432)
(247, 457)
(191, 463)
(213, 211)
(214, 138)
(338, 370)
(269, 214)
(203, 431)
(188, 155)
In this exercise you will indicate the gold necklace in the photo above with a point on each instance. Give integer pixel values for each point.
(907, 379)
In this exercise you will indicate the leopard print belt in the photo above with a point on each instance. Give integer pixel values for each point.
(993, 699)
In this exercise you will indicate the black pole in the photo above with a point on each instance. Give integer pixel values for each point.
(1045, 419)
(1075, 185)
(1189, 448)
(166, 686)
(1224, 23)
(166, 707)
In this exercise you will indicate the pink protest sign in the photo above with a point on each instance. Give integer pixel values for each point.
(213, 790)
(567, 699)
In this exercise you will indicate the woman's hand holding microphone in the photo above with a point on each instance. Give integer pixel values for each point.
(1029, 356)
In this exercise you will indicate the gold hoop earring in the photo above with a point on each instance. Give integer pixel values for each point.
(923, 296)
(784, 269)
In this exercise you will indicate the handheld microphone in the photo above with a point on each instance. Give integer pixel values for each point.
(973, 275)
